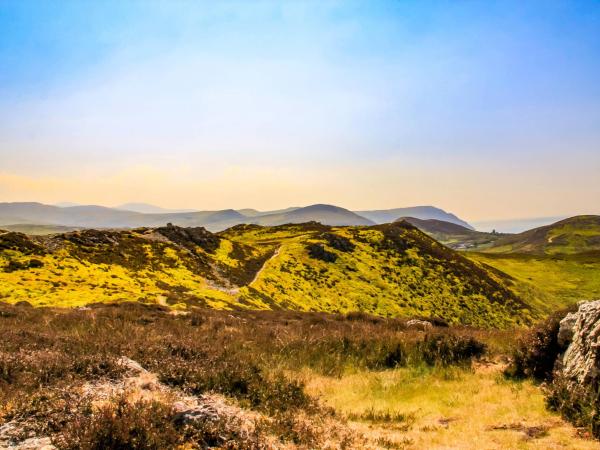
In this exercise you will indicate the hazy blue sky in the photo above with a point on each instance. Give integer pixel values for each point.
(488, 109)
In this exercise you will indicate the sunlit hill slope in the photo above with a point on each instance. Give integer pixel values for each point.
(389, 270)
(577, 234)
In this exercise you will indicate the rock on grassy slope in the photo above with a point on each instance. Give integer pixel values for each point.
(388, 270)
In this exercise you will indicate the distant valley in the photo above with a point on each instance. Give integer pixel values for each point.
(454, 235)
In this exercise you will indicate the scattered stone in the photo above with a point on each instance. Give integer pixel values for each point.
(529, 432)
(131, 365)
(198, 413)
(7, 441)
(417, 324)
(43, 443)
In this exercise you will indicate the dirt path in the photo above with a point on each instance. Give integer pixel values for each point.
(236, 290)
(275, 254)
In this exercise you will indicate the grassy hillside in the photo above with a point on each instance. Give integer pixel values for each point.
(163, 265)
(453, 235)
(548, 282)
(570, 236)
(388, 270)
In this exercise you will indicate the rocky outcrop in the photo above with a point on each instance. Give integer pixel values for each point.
(417, 324)
(191, 237)
(581, 332)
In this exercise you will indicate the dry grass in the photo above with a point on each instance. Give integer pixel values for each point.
(447, 408)
(300, 375)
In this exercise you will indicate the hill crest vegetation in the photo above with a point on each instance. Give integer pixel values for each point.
(388, 270)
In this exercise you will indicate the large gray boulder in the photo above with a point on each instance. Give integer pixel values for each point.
(581, 332)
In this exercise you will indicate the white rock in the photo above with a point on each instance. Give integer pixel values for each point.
(418, 324)
(566, 330)
(581, 361)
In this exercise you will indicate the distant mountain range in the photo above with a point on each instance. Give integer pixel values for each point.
(146, 208)
(418, 212)
(13, 215)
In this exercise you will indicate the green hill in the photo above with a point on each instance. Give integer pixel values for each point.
(453, 235)
(579, 234)
(553, 266)
(388, 270)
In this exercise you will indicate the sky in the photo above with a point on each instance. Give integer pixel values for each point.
(488, 109)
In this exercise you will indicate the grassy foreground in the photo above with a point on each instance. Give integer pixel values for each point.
(267, 379)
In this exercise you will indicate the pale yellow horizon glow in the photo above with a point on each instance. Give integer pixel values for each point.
(472, 193)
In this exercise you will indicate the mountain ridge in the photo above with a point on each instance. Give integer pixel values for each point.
(94, 216)
(420, 212)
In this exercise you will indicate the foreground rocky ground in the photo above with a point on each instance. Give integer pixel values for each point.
(145, 377)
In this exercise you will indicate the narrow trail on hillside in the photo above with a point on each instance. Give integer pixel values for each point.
(275, 254)
(236, 290)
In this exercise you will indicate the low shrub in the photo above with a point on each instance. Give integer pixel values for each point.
(536, 353)
(578, 404)
(446, 349)
(317, 251)
(148, 425)
(121, 425)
